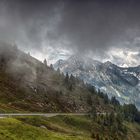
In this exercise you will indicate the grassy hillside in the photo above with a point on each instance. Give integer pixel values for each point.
(42, 129)
(27, 84)
(58, 128)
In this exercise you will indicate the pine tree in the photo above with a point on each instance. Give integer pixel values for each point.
(72, 79)
(58, 70)
(114, 101)
(89, 100)
(97, 137)
(93, 113)
(51, 66)
(106, 100)
(93, 135)
(66, 79)
(45, 62)
(111, 118)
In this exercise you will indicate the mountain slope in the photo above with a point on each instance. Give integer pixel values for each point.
(124, 83)
(59, 128)
(27, 84)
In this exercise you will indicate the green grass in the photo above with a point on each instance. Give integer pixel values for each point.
(133, 131)
(67, 124)
(39, 128)
(81, 126)
(58, 128)
(70, 125)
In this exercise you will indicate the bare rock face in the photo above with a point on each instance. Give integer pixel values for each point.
(124, 83)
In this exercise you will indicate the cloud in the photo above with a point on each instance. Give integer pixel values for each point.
(79, 26)
(27, 22)
(52, 54)
(124, 58)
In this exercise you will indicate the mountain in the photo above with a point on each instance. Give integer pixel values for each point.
(26, 84)
(124, 83)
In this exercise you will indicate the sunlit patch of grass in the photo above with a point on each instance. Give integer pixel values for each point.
(13, 129)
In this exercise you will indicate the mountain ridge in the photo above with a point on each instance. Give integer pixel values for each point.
(27, 84)
(124, 83)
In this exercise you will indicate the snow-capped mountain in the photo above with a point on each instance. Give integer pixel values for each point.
(124, 83)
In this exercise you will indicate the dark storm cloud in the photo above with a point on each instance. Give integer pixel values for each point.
(83, 24)
(99, 24)
(26, 21)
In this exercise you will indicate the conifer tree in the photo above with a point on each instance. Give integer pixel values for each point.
(51, 66)
(66, 79)
(58, 70)
(45, 62)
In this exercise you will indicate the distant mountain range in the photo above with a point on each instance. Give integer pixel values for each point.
(124, 83)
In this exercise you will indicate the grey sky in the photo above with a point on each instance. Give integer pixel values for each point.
(81, 26)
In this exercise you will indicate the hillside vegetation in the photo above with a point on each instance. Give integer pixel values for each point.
(121, 82)
(27, 84)
(60, 128)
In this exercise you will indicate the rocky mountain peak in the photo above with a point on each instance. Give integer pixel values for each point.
(108, 77)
